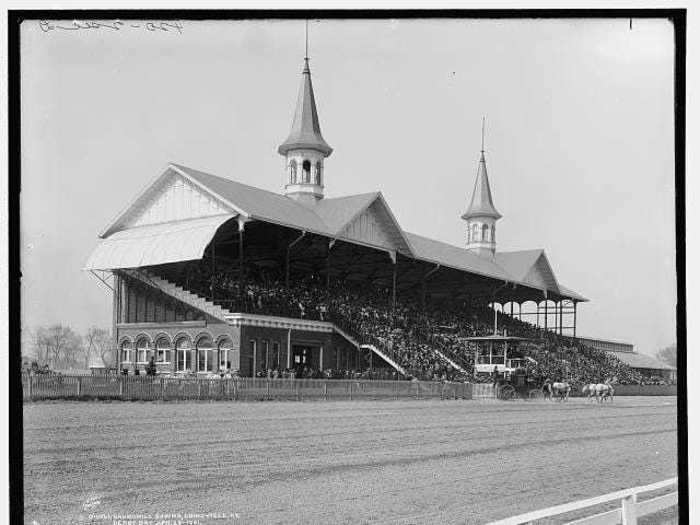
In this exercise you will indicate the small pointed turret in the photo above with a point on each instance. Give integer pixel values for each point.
(481, 215)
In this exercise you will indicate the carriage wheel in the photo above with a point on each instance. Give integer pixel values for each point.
(506, 392)
(535, 393)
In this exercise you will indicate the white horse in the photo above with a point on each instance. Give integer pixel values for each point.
(599, 391)
(590, 390)
(561, 390)
(604, 391)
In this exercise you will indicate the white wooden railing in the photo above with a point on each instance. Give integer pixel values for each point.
(627, 514)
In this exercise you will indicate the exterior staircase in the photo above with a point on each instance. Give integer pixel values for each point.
(214, 310)
(178, 292)
(450, 361)
(386, 358)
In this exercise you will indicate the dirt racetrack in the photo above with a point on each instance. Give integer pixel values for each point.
(336, 462)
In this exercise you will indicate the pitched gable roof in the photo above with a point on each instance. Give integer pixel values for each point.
(364, 219)
(454, 257)
(337, 212)
(530, 267)
(260, 204)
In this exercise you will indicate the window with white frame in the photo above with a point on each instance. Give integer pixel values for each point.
(485, 232)
(205, 355)
(225, 348)
(185, 354)
(163, 350)
(293, 172)
(126, 352)
(141, 350)
(318, 173)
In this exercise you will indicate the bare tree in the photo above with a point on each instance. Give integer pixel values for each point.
(41, 341)
(63, 345)
(668, 355)
(98, 343)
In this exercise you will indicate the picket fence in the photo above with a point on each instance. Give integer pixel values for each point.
(145, 388)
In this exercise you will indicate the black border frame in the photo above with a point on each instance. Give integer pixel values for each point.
(15, 17)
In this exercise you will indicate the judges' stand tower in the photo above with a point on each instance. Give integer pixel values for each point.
(481, 216)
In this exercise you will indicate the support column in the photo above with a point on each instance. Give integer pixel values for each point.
(561, 317)
(289, 348)
(213, 269)
(538, 314)
(424, 284)
(575, 303)
(241, 227)
(287, 261)
(328, 264)
(116, 311)
(393, 289)
(320, 358)
(546, 314)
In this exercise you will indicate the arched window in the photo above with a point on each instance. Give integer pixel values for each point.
(306, 168)
(163, 350)
(185, 354)
(475, 232)
(493, 233)
(126, 352)
(141, 350)
(485, 233)
(225, 351)
(293, 172)
(318, 173)
(205, 355)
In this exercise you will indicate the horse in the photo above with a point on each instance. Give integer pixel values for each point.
(590, 389)
(562, 390)
(604, 391)
(547, 390)
(599, 391)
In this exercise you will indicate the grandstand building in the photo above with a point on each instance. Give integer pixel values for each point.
(189, 235)
(647, 366)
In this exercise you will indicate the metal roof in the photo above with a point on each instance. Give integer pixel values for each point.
(635, 360)
(185, 240)
(481, 204)
(336, 213)
(452, 256)
(519, 263)
(306, 129)
(261, 204)
(156, 244)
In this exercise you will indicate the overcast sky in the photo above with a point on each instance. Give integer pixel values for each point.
(579, 141)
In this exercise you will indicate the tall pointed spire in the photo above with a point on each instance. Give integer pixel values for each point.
(306, 129)
(305, 149)
(482, 201)
(481, 215)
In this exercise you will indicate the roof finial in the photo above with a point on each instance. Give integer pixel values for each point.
(306, 49)
(483, 125)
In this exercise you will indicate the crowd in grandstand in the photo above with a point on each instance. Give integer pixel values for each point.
(416, 339)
